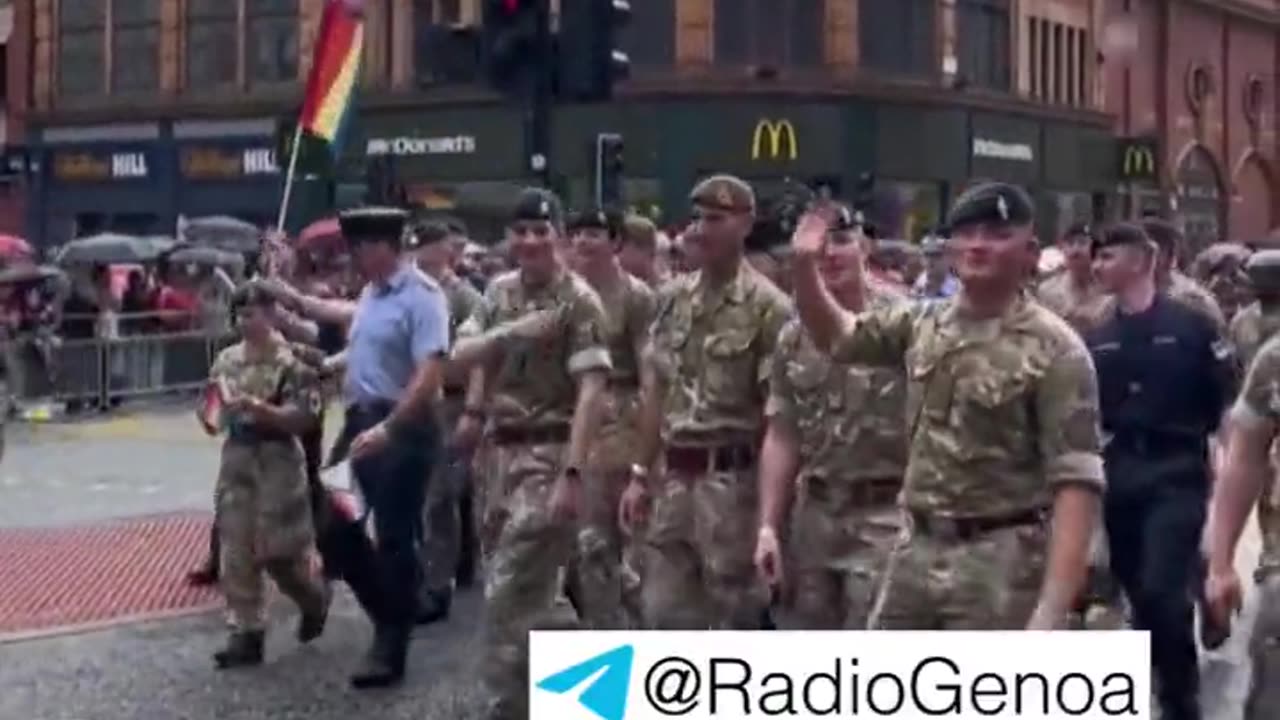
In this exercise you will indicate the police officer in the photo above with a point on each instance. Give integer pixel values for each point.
(1157, 457)
(395, 366)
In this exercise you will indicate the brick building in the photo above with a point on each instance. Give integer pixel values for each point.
(1198, 90)
(145, 110)
(15, 45)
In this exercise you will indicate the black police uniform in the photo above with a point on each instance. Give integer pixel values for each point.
(1164, 381)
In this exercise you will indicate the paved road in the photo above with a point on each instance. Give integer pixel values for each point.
(128, 466)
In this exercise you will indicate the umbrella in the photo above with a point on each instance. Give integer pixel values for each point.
(222, 231)
(320, 232)
(112, 248)
(12, 247)
(29, 273)
(185, 254)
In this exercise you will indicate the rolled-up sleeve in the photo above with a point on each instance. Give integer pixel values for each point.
(428, 325)
(588, 349)
(1066, 402)
(781, 406)
(879, 336)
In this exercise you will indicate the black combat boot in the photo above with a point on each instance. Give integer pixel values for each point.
(434, 606)
(243, 649)
(383, 666)
(311, 625)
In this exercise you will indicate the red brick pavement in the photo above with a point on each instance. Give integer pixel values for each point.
(66, 579)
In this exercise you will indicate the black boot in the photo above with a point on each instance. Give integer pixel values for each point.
(383, 666)
(468, 552)
(434, 606)
(243, 649)
(311, 625)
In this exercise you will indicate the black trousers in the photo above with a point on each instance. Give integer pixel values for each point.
(1154, 522)
(394, 483)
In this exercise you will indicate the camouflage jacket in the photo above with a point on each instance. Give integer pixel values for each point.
(281, 379)
(535, 382)
(1082, 310)
(1251, 327)
(850, 420)
(628, 312)
(712, 351)
(1000, 410)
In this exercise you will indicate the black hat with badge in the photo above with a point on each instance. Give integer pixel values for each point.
(1121, 235)
(536, 204)
(992, 203)
(595, 218)
(374, 224)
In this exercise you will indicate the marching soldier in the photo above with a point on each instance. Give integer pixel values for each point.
(1254, 324)
(598, 579)
(707, 365)
(1004, 468)
(543, 410)
(443, 537)
(263, 505)
(1074, 293)
(842, 427)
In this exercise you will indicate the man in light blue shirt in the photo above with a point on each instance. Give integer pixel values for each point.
(937, 282)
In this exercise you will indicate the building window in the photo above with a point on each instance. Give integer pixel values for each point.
(650, 39)
(135, 45)
(440, 54)
(898, 36)
(775, 33)
(272, 42)
(1058, 71)
(81, 45)
(982, 38)
(211, 43)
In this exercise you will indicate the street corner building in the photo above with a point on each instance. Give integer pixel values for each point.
(1101, 108)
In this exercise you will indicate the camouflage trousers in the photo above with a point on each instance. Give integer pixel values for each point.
(696, 554)
(1264, 649)
(1269, 516)
(264, 522)
(525, 554)
(942, 582)
(837, 555)
(602, 582)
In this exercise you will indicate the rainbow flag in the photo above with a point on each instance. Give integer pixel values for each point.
(335, 70)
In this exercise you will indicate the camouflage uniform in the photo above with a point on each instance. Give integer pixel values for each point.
(1082, 309)
(600, 575)
(851, 429)
(263, 504)
(1188, 291)
(1002, 411)
(442, 540)
(711, 350)
(1251, 328)
(533, 401)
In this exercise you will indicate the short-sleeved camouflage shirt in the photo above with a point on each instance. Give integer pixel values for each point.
(535, 383)
(1000, 410)
(463, 300)
(279, 378)
(1083, 308)
(1259, 400)
(712, 350)
(849, 420)
(628, 314)
(1251, 327)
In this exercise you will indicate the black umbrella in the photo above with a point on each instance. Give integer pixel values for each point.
(111, 248)
(20, 274)
(186, 254)
(224, 232)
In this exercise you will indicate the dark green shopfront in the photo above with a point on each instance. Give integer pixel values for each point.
(470, 160)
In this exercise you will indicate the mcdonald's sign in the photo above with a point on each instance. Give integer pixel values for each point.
(1139, 160)
(774, 140)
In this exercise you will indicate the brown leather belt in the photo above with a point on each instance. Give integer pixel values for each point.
(869, 492)
(966, 529)
(725, 458)
(544, 435)
(455, 393)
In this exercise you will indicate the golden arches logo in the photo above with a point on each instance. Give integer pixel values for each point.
(780, 136)
(1139, 161)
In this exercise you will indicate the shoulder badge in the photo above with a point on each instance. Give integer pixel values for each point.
(1222, 350)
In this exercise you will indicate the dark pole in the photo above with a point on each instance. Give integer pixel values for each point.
(538, 107)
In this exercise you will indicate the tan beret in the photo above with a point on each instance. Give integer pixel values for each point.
(724, 192)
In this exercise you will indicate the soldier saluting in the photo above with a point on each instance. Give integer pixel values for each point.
(1003, 467)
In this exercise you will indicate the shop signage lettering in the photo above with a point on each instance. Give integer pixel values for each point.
(87, 167)
(1138, 158)
(774, 140)
(996, 150)
(409, 146)
(221, 164)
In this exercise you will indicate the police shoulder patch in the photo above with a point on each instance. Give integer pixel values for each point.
(1222, 349)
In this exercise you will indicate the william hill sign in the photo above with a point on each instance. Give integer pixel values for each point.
(1139, 160)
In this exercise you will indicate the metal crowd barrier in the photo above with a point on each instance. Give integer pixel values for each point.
(101, 372)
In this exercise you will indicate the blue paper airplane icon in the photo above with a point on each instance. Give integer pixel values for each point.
(607, 695)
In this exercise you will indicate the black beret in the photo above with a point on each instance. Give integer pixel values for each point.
(430, 233)
(994, 203)
(538, 204)
(385, 224)
(1084, 230)
(595, 218)
(1121, 234)
(1263, 269)
(1162, 233)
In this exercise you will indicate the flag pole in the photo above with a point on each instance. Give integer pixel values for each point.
(288, 178)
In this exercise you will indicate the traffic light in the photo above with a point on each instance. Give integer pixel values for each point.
(591, 60)
(511, 44)
(609, 167)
